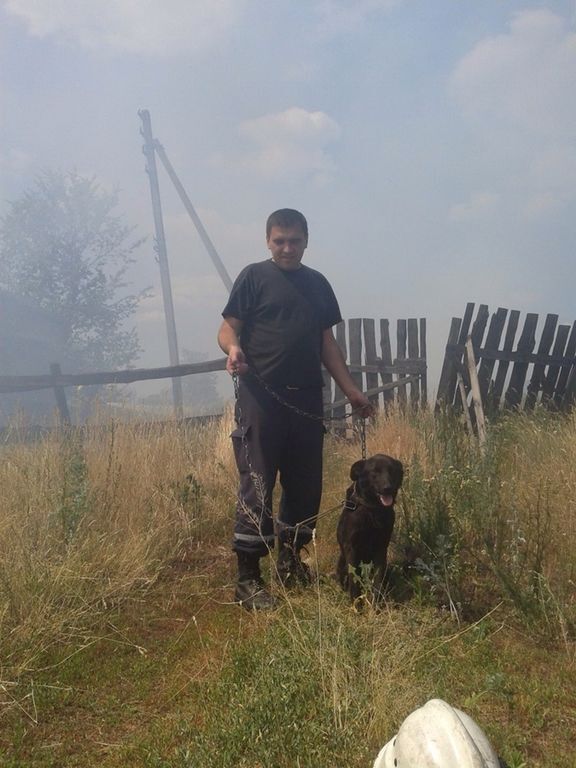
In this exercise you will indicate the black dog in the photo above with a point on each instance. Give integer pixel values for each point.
(366, 523)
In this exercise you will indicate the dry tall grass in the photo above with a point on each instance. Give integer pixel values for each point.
(87, 520)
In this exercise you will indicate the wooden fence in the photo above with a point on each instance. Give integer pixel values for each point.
(58, 381)
(401, 379)
(513, 369)
(384, 378)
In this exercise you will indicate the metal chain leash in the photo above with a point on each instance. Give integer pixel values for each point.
(290, 406)
(360, 427)
(362, 430)
(254, 476)
(315, 417)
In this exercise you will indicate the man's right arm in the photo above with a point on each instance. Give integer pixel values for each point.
(229, 342)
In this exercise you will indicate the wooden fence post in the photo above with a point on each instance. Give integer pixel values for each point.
(340, 411)
(355, 337)
(449, 370)
(370, 357)
(537, 379)
(463, 331)
(486, 367)
(559, 399)
(570, 392)
(401, 332)
(476, 396)
(464, 400)
(386, 350)
(413, 352)
(423, 353)
(60, 396)
(526, 342)
(554, 370)
(503, 365)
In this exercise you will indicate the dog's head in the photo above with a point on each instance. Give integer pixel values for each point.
(378, 479)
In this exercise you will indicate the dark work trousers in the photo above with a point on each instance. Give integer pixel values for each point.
(271, 440)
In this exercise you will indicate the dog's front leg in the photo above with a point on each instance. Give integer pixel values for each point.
(355, 589)
(352, 581)
(380, 583)
(342, 572)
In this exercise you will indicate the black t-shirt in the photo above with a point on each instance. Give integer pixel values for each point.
(284, 313)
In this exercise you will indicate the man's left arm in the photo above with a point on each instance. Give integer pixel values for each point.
(334, 361)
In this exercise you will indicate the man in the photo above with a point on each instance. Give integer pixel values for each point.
(277, 332)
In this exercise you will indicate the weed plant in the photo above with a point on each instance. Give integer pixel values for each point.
(480, 525)
(474, 527)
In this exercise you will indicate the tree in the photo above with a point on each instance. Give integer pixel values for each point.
(63, 247)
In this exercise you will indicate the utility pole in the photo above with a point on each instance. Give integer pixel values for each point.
(212, 252)
(160, 248)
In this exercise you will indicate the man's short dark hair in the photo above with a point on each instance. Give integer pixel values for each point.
(287, 217)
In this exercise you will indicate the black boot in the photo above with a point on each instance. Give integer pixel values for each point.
(251, 592)
(292, 572)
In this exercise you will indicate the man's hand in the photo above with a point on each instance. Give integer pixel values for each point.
(236, 362)
(361, 404)
(229, 341)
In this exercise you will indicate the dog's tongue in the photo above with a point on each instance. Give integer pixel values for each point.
(386, 500)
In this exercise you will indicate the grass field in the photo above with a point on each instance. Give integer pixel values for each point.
(120, 646)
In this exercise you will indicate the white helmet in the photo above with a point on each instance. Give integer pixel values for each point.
(438, 736)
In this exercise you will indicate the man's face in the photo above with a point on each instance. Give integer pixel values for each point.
(287, 246)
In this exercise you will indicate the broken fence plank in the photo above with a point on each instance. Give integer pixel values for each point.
(515, 391)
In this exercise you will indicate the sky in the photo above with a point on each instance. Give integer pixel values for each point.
(431, 145)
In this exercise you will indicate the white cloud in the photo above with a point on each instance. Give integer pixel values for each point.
(292, 124)
(481, 205)
(291, 145)
(517, 91)
(159, 27)
(340, 16)
(525, 78)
